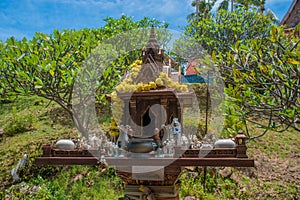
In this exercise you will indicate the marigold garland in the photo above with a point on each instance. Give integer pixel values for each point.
(127, 85)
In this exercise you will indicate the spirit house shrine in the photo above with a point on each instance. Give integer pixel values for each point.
(144, 110)
(148, 100)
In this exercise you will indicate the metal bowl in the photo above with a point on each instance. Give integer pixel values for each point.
(141, 145)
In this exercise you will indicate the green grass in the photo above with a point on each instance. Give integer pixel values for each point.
(50, 124)
(275, 153)
(29, 142)
(75, 182)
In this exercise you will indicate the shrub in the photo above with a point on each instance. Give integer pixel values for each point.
(263, 81)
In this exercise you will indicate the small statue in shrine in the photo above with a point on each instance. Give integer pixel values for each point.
(162, 133)
(156, 137)
(157, 140)
(108, 147)
(176, 131)
(83, 144)
(165, 133)
(94, 141)
(76, 140)
(185, 142)
(169, 148)
(123, 138)
(130, 132)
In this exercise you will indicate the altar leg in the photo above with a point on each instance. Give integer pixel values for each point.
(134, 192)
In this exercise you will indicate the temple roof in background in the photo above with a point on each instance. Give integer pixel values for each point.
(292, 17)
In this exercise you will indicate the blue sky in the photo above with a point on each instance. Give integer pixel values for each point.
(22, 18)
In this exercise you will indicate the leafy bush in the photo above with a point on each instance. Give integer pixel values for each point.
(218, 32)
(263, 81)
(47, 65)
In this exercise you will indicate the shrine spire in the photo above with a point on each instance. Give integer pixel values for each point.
(152, 42)
(152, 53)
(152, 58)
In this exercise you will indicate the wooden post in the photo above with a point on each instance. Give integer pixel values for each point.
(47, 150)
(241, 147)
(204, 178)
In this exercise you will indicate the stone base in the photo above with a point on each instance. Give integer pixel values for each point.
(164, 176)
(136, 192)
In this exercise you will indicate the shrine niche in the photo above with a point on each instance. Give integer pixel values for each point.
(144, 108)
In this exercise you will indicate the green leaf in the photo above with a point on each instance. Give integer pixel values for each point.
(24, 75)
(280, 75)
(295, 62)
(51, 73)
(38, 81)
(38, 86)
(21, 57)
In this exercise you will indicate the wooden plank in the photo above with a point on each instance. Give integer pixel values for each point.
(213, 162)
(66, 161)
(182, 162)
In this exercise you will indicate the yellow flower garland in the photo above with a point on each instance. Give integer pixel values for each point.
(127, 85)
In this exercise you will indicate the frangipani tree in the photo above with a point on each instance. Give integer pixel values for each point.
(260, 67)
(47, 65)
(265, 86)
